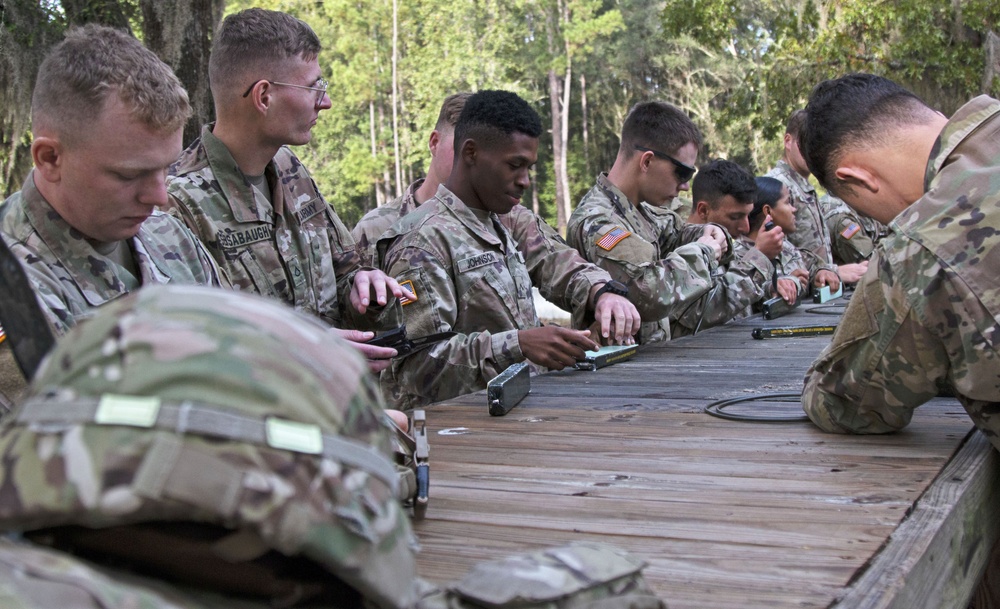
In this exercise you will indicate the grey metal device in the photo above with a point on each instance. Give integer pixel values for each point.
(605, 356)
(776, 307)
(507, 389)
(823, 294)
(22, 318)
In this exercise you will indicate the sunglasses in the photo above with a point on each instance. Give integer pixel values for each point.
(683, 171)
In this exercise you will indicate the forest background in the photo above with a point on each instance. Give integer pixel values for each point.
(737, 67)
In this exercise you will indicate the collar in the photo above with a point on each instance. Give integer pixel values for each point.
(966, 119)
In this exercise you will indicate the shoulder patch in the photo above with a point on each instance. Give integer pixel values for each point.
(612, 238)
(408, 284)
(851, 230)
(474, 262)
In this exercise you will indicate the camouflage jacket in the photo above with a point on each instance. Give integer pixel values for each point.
(296, 250)
(467, 280)
(71, 278)
(675, 284)
(810, 228)
(544, 252)
(852, 235)
(927, 313)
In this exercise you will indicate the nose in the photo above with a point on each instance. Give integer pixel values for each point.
(154, 190)
(524, 179)
(325, 103)
(745, 226)
(684, 185)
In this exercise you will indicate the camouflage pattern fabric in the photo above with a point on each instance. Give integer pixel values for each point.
(675, 284)
(810, 228)
(467, 280)
(545, 252)
(790, 259)
(852, 236)
(228, 414)
(576, 576)
(293, 248)
(71, 278)
(927, 313)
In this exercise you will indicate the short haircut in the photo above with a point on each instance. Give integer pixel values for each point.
(252, 44)
(720, 178)
(94, 62)
(794, 125)
(451, 109)
(856, 111)
(658, 126)
(492, 116)
(768, 193)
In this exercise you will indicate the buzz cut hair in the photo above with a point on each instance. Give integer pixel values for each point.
(451, 109)
(795, 122)
(252, 44)
(657, 126)
(720, 178)
(94, 62)
(490, 117)
(854, 112)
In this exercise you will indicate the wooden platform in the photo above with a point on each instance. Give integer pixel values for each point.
(728, 514)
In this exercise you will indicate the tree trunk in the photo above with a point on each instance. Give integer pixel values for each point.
(563, 167)
(180, 33)
(379, 199)
(558, 151)
(586, 128)
(991, 47)
(395, 97)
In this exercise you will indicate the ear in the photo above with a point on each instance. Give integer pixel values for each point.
(701, 211)
(469, 152)
(644, 161)
(47, 154)
(260, 96)
(433, 141)
(858, 176)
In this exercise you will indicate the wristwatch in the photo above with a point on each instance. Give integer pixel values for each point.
(615, 287)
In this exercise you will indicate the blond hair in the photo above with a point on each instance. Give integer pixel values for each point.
(94, 62)
(451, 109)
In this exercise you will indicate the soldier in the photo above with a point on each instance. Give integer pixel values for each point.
(539, 245)
(926, 316)
(196, 448)
(249, 198)
(468, 276)
(811, 231)
(852, 235)
(106, 119)
(623, 226)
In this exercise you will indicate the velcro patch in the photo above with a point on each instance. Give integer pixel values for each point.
(850, 231)
(474, 262)
(612, 238)
(408, 284)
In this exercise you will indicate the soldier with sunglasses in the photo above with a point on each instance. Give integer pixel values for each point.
(250, 199)
(623, 225)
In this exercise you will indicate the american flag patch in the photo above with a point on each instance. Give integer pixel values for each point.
(611, 238)
(408, 284)
(850, 231)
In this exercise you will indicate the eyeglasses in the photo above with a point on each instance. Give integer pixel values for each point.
(683, 171)
(320, 88)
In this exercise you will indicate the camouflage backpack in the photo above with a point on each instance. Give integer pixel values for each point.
(214, 439)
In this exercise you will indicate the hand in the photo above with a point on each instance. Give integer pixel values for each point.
(828, 278)
(852, 273)
(769, 241)
(617, 311)
(377, 282)
(378, 358)
(554, 347)
(803, 276)
(788, 289)
(399, 418)
(714, 238)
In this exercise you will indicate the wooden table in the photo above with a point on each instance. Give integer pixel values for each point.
(727, 513)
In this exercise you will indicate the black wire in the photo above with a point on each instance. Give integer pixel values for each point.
(716, 409)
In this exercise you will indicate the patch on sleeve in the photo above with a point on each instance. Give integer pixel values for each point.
(851, 230)
(408, 284)
(612, 238)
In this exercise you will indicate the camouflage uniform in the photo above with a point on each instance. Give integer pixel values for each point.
(241, 450)
(927, 313)
(296, 250)
(852, 235)
(676, 285)
(470, 281)
(810, 227)
(71, 278)
(543, 250)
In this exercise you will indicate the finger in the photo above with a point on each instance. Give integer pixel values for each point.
(605, 319)
(356, 336)
(374, 351)
(379, 286)
(378, 365)
(362, 289)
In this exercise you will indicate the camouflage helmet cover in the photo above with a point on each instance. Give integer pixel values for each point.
(186, 404)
